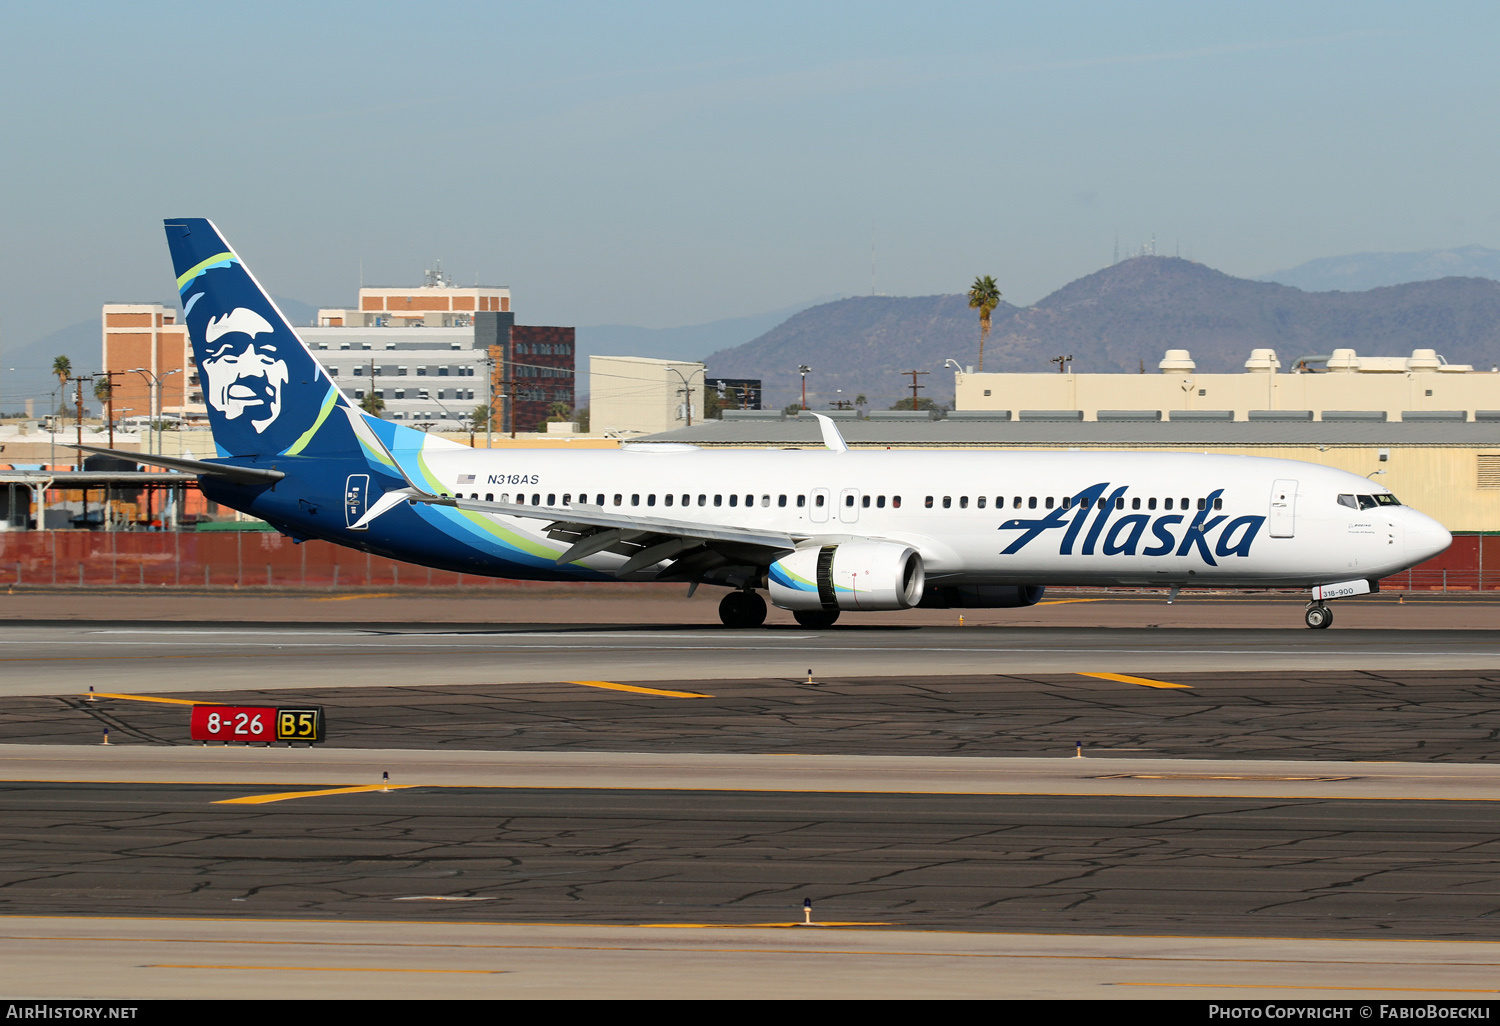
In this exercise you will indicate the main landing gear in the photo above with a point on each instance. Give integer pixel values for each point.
(816, 619)
(742, 609)
(1318, 616)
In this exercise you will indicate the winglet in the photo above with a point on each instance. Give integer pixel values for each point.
(831, 436)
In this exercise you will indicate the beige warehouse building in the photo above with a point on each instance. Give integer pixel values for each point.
(634, 395)
(1423, 384)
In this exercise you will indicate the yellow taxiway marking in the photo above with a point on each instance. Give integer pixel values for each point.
(727, 789)
(638, 690)
(149, 698)
(1145, 682)
(346, 598)
(1283, 986)
(1064, 602)
(286, 796)
(331, 969)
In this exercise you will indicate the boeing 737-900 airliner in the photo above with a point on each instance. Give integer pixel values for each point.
(821, 531)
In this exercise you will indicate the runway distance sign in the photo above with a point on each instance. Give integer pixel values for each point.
(256, 724)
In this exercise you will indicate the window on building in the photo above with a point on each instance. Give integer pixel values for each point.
(359, 372)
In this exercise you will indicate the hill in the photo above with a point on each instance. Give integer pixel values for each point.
(1115, 320)
(1359, 272)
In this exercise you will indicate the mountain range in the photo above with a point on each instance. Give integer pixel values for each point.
(1119, 319)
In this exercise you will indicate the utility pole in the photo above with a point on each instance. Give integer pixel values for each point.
(78, 400)
(1062, 363)
(109, 402)
(914, 385)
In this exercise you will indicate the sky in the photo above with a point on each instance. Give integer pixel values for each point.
(669, 164)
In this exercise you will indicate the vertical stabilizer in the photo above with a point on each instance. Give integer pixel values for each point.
(266, 394)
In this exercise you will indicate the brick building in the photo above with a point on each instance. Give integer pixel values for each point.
(144, 342)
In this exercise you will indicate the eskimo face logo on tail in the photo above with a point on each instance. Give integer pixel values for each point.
(243, 379)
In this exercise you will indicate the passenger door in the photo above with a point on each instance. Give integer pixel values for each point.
(1283, 520)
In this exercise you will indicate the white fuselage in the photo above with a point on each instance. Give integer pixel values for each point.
(988, 517)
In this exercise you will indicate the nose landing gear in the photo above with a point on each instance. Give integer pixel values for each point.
(1318, 616)
(742, 609)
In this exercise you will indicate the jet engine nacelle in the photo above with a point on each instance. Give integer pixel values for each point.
(982, 596)
(865, 575)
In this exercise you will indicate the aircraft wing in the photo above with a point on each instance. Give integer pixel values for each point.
(693, 547)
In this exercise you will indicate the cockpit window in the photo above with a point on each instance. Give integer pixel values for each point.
(1366, 502)
(1387, 500)
(1349, 500)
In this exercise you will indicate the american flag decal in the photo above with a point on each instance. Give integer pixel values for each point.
(465, 478)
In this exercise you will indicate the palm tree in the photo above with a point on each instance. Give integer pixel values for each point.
(372, 404)
(984, 297)
(62, 369)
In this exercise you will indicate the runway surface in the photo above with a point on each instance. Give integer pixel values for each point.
(124, 958)
(1411, 715)
(563, 793)
(1100, 863)
(52, 658)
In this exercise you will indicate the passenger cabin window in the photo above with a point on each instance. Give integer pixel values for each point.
(928, 502)
(1218, 504)
(1031, 502)
(666, 500)
(818, 500)
(734, 500)
(896, 502)
(781, 500)
(865, 502)
(963, 502)
(1049, 502)
(849, 500)
(979, 502)
(801, 501)
(1135, 503)
(1167, 504)
(635, 500)
(718, 500)
(651, 499)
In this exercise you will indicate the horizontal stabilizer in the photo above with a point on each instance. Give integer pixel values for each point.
(240, 475)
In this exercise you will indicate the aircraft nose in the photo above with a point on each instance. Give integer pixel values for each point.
(1425, 537)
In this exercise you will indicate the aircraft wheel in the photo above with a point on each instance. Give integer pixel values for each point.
(1318, 617)
(742, 609)
(816, 619)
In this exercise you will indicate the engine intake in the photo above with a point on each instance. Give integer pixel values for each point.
(851, 575)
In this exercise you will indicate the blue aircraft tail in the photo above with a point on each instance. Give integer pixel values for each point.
(266, 394)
